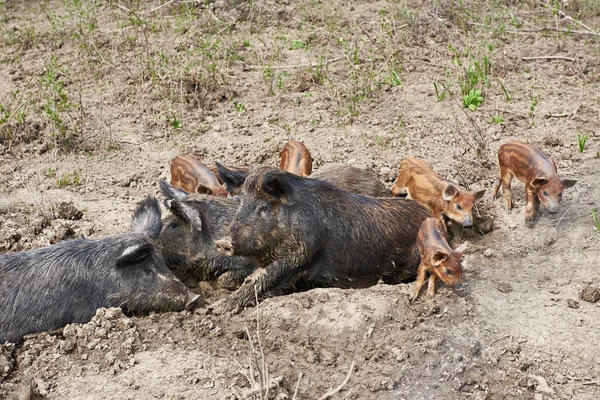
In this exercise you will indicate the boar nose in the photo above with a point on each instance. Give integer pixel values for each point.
(225, 247)
(468, 221)
(191, 301)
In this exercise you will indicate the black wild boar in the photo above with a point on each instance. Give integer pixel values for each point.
(352, 179)
(48, 288)
(187, 237)
(308, 230)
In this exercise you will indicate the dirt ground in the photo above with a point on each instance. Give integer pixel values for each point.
(97, 97)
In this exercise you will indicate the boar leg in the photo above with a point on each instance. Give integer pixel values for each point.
(431, 285)
(506, 177)
(419, 282)
(233, 279)
(533, 204)
(281, 273)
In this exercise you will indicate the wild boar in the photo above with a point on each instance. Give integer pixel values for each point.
(187, 237)
(192, 176)
(311, 230)
(437, 258)
(528, 164)
(296, 159)
(48, 288)
(419, 182)
(352, 179)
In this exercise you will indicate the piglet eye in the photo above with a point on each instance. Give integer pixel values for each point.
(449, 271)
(544, 193)
(458, 207)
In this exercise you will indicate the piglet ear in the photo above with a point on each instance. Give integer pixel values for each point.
(277, 184)
(190, 214)
(146, 218)
(461, 249)
(568, 183)
(438, 257)
(170, 192)
(232, 180)
(134, 254)
(450, 192)
(539, 181)
(479, 194)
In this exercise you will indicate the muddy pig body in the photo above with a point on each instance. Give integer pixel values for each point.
(352, 179)
(48, 288)
(296, 159)
(187, 237)
(437, 258)
(538, 172)
(419, 182)
(302, 229)
(192, 176)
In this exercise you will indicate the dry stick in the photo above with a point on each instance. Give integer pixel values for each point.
(547, 58)
(499, 339)
(337, 389)
(556, 226)
(275, 382)
(297, 386)
(159, 7)
(333, 60)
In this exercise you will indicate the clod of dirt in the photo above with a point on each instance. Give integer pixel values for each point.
(484, 225)
(590, 294)
(62, 233)
(488, 252)
(505, 287)
(68, 211)
(572, 304)
(7, 362)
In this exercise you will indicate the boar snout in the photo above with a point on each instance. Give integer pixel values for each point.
(225, 247)
(191, 301)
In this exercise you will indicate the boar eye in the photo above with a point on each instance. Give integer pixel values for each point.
(261, 209)
(458, 207)
(449, 271)
(149, 271)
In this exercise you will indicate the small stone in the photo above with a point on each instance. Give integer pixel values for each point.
(590, 294)
(572, 303)
(505, 287)
(488, 253)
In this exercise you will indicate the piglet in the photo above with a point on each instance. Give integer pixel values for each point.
(437, 258)
(528, 164)
(192, 176)
(442, 197)
(296, 159)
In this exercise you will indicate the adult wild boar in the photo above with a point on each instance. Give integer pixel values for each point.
(311, 230)
(187, 237)
(352, 179)
(48, 288)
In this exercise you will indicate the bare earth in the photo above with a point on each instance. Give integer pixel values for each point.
(98, 97)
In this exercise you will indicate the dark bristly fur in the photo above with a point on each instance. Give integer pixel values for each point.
(308, 229)
(66, 283)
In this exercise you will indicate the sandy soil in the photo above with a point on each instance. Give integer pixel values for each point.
(98, 97)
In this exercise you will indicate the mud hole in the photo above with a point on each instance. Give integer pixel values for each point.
(98, 97)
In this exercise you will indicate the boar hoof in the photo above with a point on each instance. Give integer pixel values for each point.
(224, 246)
(192, 301)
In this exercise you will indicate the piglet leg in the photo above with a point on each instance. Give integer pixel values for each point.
(418, 282)
(431, 285)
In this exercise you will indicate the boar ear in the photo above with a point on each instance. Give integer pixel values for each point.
(230, 178)
(202, 189)
(276, 183)
(190, 214)
(170, 192)
(146, 218)
(134, 254)
(479, 194)
(568, 183)
(461, 249)
(450, 192)
(438, 257)
(539, 181)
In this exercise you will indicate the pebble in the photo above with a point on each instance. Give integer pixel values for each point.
(590, 294)
(488, 253)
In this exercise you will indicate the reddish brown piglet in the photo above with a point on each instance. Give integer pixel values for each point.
(422, 184)
(528, 164)
(437, 258)
(296, 159)
(192, 176)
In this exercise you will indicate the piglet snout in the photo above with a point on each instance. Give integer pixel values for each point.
(458, 286)
(225, 247)
(468, 221)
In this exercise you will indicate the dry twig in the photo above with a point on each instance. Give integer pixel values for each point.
(547, 58)
(337, 389)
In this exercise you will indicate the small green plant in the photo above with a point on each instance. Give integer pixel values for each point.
(497, 119)
(439, 94)
(393, 79)
(596, 222)
(69, 179)
(473, 99)
(581, 141)
(174, 119)
(507, 95)
(239, 106)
